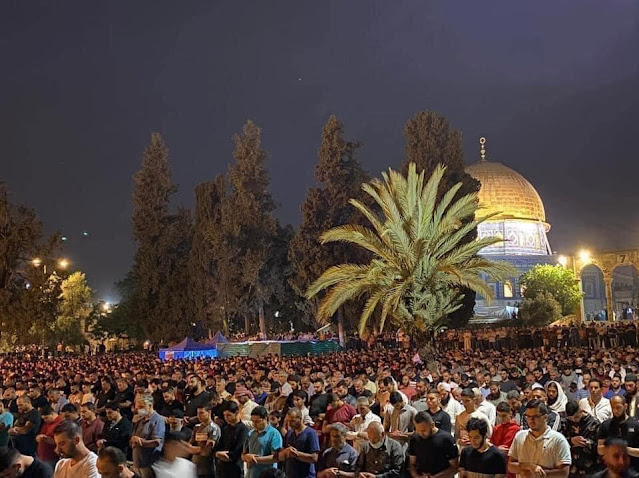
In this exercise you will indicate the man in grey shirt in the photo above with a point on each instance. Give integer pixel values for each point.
(381, 455)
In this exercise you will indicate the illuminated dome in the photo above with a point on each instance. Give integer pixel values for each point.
(521, 218)
(506, 192)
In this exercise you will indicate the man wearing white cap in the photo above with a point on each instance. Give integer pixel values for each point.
(448, 403)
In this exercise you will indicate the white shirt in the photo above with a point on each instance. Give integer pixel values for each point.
(549, 451)
(362, 427)
(180, 468)
(453, 408)
(245, 413)
(85, 468)
(602, 411)
(489, 410)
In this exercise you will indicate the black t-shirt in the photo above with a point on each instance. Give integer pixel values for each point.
(627, 430)
(441, 419)
(38, 470)
(195, 402)
(491, 462)
(434, 453)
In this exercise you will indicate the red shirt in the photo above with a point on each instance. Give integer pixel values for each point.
(46, 451)
(504, 434)
(343, 414)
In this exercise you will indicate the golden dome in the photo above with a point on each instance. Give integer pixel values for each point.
(507, 192)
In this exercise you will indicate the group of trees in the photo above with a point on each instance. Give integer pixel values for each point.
(229, 264)
(402, 249)
(40, 302)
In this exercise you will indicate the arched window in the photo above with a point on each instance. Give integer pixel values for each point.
(508, 289)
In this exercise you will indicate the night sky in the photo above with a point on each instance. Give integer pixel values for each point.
(554, 86)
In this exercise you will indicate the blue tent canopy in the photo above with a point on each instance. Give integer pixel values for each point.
(188, 348)
(218, 338)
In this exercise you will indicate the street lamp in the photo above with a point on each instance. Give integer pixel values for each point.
(584, 256)
(63, 263)
(563, 260)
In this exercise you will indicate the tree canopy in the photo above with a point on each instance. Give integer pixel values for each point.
(420, 259)
(555, 280)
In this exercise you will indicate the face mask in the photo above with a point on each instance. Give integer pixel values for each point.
(143, 412)
(377, 445)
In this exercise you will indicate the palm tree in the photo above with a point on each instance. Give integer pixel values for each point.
(419, 260)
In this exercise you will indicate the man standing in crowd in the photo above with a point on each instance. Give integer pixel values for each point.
(198, 397)
(92, 426)
(596, 405)
(621, 426)
(380, 456)
(399, 424)
(340, 457)
(203, 440)
(434, 409)
(229, 451)
(301, 447)
(539, 451)
(117, 430)
(617, 460)
(481, 458)
(359, 423)
(45, 439)
(77, 461)
(13, 464)
(148, 436)
(26, 427)
(431, 451)
(449, 404)
(261, 445)
(112, 464)
(506, 429)
(581, 431)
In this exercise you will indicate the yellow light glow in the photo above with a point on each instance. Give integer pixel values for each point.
(563, 260)
(584, 255)
(106, 306)
(63, 263)
(36, 262)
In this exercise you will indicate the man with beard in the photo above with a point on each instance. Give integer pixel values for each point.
(14, 465)
(319, 401)
(480, 458)
(581, 431)
(449, 404)
(431, 451)
(198, 398)
(342, 392)
(496, 395)
(617, 460)
(117, 430)
(506, 385)
(419, 399)
(621, 425)
(630, 385)
(615, 387)
(77, 460)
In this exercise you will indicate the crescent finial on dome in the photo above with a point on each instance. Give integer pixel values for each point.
(482, 148)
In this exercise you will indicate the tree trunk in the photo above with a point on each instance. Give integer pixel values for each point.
(427, 350)
(262, 321)
(247, 325)
(340, 326)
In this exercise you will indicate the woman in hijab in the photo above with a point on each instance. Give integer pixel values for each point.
(556, 398)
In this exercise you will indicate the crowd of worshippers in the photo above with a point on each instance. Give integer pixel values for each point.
(546, 412)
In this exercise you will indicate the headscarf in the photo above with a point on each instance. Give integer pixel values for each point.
(559, 404)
